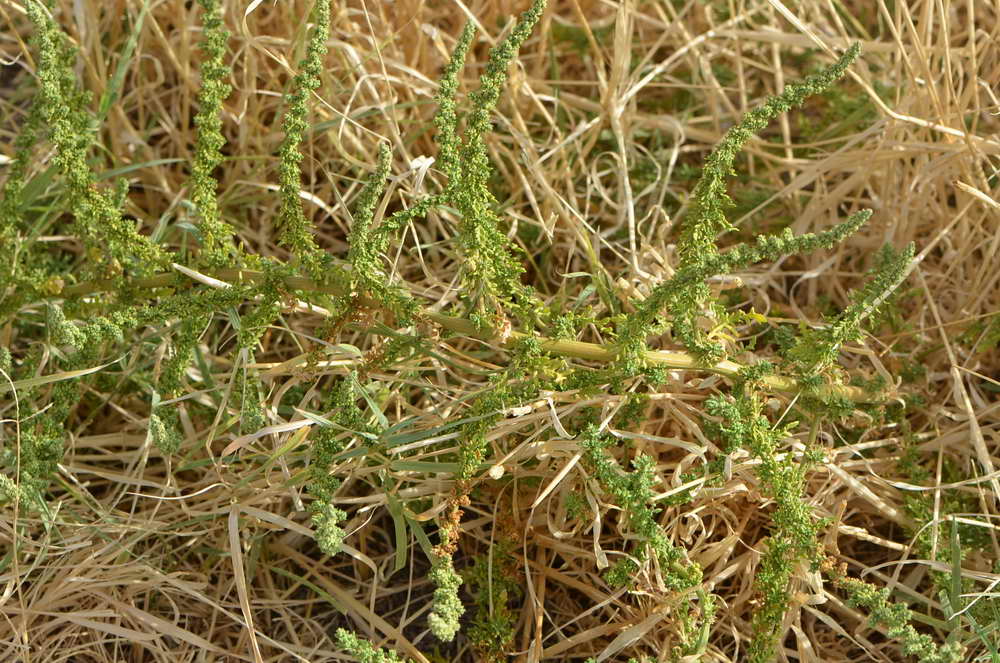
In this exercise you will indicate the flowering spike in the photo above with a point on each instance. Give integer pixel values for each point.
(446, 119)
(294, 229)
(216, 234)
(817, 349)
(707, 219)
(109, 238)
(491, 259)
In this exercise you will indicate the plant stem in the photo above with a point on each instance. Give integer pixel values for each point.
(564, 348)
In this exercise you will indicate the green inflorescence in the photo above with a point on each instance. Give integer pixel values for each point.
(681, 288)
(216, 235)
(817, 349)
(493, 582)
(294, 230)
(633, 492)
(494, 271)
(341, 403)
(446, 608)
(22, 274)
(795, 534)
(365, 651)
(896, 617)
(367, 243)
(184, 340)
(112, 242)
(165, 432)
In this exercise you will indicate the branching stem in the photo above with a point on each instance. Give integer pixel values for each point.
(560, 347)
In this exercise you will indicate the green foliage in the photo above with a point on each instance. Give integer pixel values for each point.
(341, 405)
(576, 505)
(446, 118)
(795, 534)
(326, 518)
(10, 491)
(982, 335)
(42, 443)
(248, 393)
(896, 618)
(165, 434)
(184, 341)
(493, 582)
(362, 254)
(795, 537)
(22, 277)
(493, 268)
(367, 244)
(696, 626)
(683, 289)
(817, 349)
(82, 334)
(633, 492)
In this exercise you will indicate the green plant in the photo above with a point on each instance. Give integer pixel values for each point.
(111, 241)
(145, 304)
(896, 617)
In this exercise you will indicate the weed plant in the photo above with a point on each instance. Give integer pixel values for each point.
(84, 311)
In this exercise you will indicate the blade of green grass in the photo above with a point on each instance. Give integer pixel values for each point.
(115, 84)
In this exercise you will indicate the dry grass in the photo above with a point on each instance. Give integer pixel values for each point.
(201, 558)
